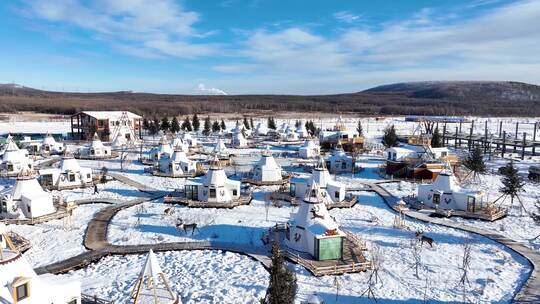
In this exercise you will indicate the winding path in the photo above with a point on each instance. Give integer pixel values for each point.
(529, 292)
(95, 239)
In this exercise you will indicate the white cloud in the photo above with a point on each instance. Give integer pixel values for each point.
(202, 89)
(502, 37)
(346, 16)
(162, 27)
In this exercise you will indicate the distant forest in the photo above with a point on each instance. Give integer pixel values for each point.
(367, 103)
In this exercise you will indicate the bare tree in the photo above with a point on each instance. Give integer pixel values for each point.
(416, 247)
(464, 267)
(374, 277)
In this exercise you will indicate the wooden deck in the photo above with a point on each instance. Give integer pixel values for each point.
(180, 199)
(89, 157)
(59, 214)
(352, 261)
(348, 202)
(483, 215)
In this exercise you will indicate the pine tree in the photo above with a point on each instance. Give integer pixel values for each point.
(246, 123)
(223, 126)
(216, 127)
(207, 126)
(196, 123)
(145, 124)
(153, 128)
(359, 129)
(271, 124)
(282, 286)
(175, 125)
(475, 162)
(186, 125)
(390, 138)
(297, 123)
(165, 124)
(251, 123)
(512, 182)
(436, 140)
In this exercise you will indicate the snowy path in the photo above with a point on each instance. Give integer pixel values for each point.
(529, 292)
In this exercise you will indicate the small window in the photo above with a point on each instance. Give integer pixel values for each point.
(212, 193)
(88, 175)
(436, 198)
(234, 192)
(21, 292)
(72, 177)
(28, 208)
(343, 165)
(336, 194)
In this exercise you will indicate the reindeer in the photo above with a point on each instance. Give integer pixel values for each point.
(169, 211)
(180, 225)
(420, 236)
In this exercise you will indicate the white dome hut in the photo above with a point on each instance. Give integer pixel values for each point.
(267, 169)
(446, 193)
(330, 190)
(49, 146)
(95, 150)
(301, 131)
(339, 161)
(312, 230)
(163, 148)
(14, 160)
(20, 283)
(239, 141)
(309, 150)
(214, 187)
(26, 199)
(69, 175)
(261, 129)
(177, 164)
(189, 139)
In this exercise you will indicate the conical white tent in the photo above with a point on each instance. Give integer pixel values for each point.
(163, 148)
(213, 187)
(151, 291)
(69, 175)
(14, 160)
(267, 169)
(330, 190)
(26, 199)
(339, 161)
(21, 284)
(177, 164)
(309, 150)
(50, 146)
(446, 193)
(312, 228)
(96, 149)
(239, 141)
(220, 149)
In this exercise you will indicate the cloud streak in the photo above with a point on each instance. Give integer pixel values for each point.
(162, 27)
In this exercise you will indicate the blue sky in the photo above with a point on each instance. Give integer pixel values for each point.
(263, 46)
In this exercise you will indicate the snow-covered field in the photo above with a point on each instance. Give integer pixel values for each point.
(496, 272)
(197, 276)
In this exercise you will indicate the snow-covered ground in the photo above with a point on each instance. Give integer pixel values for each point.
(197, 276)
(59, 239)
(496, 272)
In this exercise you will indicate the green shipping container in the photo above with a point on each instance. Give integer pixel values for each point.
(329, 248)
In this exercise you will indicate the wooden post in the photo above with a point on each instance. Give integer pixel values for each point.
(485, 137)
(523, 147)
(500, 128)
(534, 139)
(460, 124)
(469, 143)
(444, 135)
(455, 138)
(516, 137)
(503, 144)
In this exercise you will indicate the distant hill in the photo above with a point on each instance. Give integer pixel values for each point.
(463, 90)
(410, 98)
